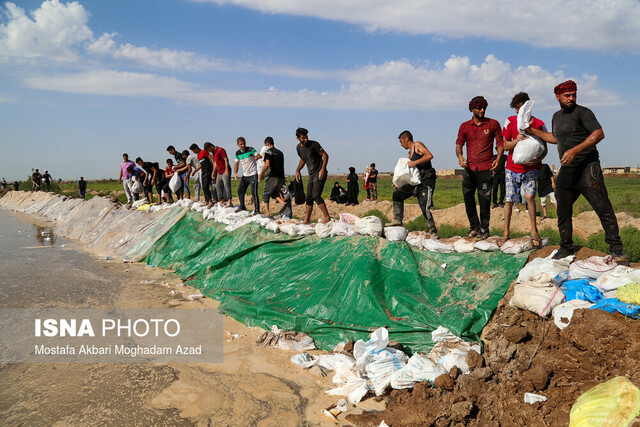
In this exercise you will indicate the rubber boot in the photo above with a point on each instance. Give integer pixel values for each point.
(398, 214)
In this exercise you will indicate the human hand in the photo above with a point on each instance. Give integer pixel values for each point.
(463, 162)
(411, 164)
(322, 174)
(298, 177)
(568, 157)
(533, 162)
(494, 164)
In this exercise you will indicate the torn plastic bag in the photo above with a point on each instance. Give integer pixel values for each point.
(355, 390)
(415, 238)
(581, 289)
(419, 368)
(563, 313)
(613, 403)
(613, 304)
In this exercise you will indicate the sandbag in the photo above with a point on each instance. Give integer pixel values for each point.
(417, 369)
(435, 245)
(629, 293)
(544, 265)
(403, 174)
(323, 229)
(538, 295)
(396, 234)
(463, 245)
(516, 246)
(592, 267)
(611, 281)
(531, 147)
(369, 225)
(487, 245)
(137, 187)
(415, 238)
(613, 403)
(175, 183)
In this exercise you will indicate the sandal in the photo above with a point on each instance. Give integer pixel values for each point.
(502, 241)
(536, 241)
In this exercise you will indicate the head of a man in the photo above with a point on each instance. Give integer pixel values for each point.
(209, 147)
(139, 161)
(171, 149)
(194, 147)
(170, 163)
(337, 184)
(302, 135)
(478, 106)
(518, 100)
(373, 166)
(566, 94)
(37, 171)
(125, 157)
(242, 143)
(268, 141)
(406, 139)
(185, 154)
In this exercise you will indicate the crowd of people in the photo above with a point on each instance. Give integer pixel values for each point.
(575, 130)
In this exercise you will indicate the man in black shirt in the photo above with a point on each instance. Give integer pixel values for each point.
(373, 182)
(576, 131)
(36, 179)
(274, 159)
(546, 186)
(152, 175)
(313, 155)
(499, 182)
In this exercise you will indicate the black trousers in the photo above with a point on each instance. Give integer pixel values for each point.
(424, 193)
(206, 185)
(588, 181)
(482, 182)
(498, 183)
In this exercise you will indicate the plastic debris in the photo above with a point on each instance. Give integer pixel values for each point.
(286, 340)
(613, 403)
(534, 398)
(563, 313)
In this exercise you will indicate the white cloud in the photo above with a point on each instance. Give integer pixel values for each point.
(54, 31)
(574, 24)
(393, 85)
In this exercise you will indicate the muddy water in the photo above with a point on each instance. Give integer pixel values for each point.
(254, 386)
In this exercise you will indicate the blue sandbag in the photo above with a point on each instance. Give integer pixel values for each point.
(581, 289)
(614, 304)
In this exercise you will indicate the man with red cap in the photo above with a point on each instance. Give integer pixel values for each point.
(576, 131)
(478, 134)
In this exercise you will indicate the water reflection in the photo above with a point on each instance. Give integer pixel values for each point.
(45, 236)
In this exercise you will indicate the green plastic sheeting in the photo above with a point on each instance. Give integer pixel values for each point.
(338, 288)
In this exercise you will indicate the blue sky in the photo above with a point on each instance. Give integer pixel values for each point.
(82, 82)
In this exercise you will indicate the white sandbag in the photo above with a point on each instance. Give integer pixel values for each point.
(379, 339)
(435, 245)
(260, 163)
(523, 119)
(273, 227)
(488, 245)
(538, 295)
(415, 238)
(205, 213)
(563, 313)
(548, 265)
(396, 234)
(464, 246)
(355, 390)
(369, 226)
(343, 229)
(323, 229)
(289, 228)
(531, 147)
(418, 368)
(516, 246)
(592, 267)
(138, 203)
(301, 359)
(330, 361)
(452, 351)
(403, 174)
(175, 183)
(305, 229)
(344, 374)
(608, 283)
(348, 218)
(136, 186)
(382, 367)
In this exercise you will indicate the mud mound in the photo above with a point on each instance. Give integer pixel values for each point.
(524, 353)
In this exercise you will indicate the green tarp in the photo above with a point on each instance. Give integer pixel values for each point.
(338, 288)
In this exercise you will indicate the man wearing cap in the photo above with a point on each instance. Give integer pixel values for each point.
(576, 131)
(478, 135)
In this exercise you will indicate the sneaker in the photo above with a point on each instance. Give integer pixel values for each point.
(620, 257)
(493, 206)
(472, 234)
(483, 235)
(393, 223)
(563, 253)
(433, 234)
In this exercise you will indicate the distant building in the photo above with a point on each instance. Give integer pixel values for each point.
(616, 169)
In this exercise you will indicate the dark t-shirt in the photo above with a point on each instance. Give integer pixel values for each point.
(373, 176)
(311, 156)
(205, 161)
(148, 167)
(82, 184)
(544, 181)
(571, 129)
(178, 157)
(276, 162)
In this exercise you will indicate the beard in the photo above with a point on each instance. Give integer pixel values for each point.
(568, 107)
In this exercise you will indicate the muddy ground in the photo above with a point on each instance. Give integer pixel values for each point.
(523, 353)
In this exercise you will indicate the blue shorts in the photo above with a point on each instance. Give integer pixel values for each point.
(514, 181)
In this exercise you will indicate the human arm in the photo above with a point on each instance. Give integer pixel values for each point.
(325, 160)
(569, 156)
(543, 135)
(461, 160)
(421, 149)
(235, 168)
(301, 164)
(267, 163)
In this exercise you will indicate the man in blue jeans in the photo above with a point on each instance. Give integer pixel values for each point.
(247, 156)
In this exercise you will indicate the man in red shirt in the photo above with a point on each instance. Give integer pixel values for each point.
(521, 175)
(478, 135)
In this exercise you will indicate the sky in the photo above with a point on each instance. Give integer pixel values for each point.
(83, 82)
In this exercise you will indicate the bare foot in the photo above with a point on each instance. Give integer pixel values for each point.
(536, 240)
(502, 241)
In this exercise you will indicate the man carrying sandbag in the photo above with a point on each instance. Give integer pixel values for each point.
(521, 175)
(478, 134)
(576, 131)
(419, 158)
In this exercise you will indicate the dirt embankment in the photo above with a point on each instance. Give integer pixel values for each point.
(523, 353)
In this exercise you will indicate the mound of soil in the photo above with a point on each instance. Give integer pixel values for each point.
(523, 353)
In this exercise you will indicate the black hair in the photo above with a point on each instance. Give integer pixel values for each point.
(138, 159)
(301, 131)
(169, 160)
(269, 140)
(352, 169)
(519, 98)
(373, 165)
(125, 154)
(240, 138)
(193, 146)
(170, 148)
(185, 153)
(208, 144)
(407, 134)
